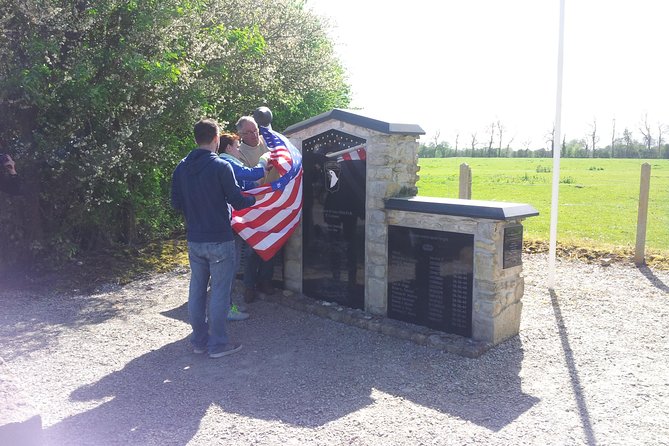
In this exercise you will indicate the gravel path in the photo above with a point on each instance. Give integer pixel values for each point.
(591, 366)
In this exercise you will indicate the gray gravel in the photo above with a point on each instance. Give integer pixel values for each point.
(591, 366)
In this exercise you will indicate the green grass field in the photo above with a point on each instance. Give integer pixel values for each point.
(599, 198)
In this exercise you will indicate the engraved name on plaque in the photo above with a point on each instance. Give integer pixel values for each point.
(430, 276)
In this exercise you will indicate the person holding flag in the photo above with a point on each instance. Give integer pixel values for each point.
(257, 272)
(268, 224)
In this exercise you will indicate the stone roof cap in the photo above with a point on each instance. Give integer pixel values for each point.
(495, 210)
(359, 120)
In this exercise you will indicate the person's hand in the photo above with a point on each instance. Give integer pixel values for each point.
(264, 161)
(8, 163)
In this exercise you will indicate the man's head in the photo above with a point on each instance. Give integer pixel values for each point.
(206, 134)
(248, 130)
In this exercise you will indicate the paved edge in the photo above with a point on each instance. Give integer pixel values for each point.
(420, 335)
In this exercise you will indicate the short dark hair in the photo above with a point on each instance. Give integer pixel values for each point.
(205, 130)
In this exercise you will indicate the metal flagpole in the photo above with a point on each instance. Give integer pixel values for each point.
(557, 145)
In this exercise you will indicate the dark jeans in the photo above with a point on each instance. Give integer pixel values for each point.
(257, 270)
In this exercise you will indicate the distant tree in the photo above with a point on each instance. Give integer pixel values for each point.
(613, 137)
(457, 137)
(491, 139)
(508, 147)
(646, 133)
(500, 134)
(629, 143)
(661, 128)
(550, 139)
(474, 142)
(436, 137)
(563, 150)
(594, 138)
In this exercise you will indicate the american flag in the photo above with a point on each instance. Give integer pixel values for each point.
(359, 154)
(268, 224)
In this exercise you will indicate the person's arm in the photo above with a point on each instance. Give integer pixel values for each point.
(232, 191)
(243, 173)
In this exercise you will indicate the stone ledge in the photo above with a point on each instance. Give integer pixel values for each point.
(427, 337)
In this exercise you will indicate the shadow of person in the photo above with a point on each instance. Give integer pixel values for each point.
(295, 368)
(158, 395)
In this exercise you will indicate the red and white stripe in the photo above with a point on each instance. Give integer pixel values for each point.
(356, 155)
(268, 224)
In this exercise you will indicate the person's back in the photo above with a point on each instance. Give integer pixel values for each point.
(202, 186)
(205, 184)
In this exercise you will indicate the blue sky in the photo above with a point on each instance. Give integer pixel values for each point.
(457, 66)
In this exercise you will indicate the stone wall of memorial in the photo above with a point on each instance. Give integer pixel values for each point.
(446, 264)
(392, 166)
(392, 170)
(496, 291)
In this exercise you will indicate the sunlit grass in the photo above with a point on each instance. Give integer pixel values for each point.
(598, 198)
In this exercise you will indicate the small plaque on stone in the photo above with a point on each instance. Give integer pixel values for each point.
(513, 246)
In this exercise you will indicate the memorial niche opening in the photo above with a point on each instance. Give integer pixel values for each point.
(334, 218)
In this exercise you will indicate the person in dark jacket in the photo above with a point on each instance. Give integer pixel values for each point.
(203, 185)
(10, 182)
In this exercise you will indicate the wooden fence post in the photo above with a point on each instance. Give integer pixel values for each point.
(642, 219)
(465, 182)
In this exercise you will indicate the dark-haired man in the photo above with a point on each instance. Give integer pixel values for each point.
(203, 185)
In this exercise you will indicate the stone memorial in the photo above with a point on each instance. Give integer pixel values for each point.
(368, 241)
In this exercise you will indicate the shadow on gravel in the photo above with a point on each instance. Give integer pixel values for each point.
(653, 279)
(31, 322)
(573, 372)
(295, 368)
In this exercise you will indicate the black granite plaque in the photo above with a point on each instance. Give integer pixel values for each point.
(513, 246)
(430, 276)
(333, 218)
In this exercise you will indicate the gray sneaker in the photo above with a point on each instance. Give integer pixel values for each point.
(228, 349)
(235, 315)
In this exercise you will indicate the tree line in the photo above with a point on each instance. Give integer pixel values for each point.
(651, 144)
(98, 99)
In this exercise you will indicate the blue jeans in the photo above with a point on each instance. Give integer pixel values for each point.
(213, 260)
(256, 269)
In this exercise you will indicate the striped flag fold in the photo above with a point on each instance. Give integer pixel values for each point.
(267, 225)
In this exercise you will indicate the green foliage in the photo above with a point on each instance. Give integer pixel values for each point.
(98, 100)
(597, 207)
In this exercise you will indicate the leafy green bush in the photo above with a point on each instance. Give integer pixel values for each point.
(98, 100)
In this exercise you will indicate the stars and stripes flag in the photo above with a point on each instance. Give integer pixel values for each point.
(359, 154)
(267, 225)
